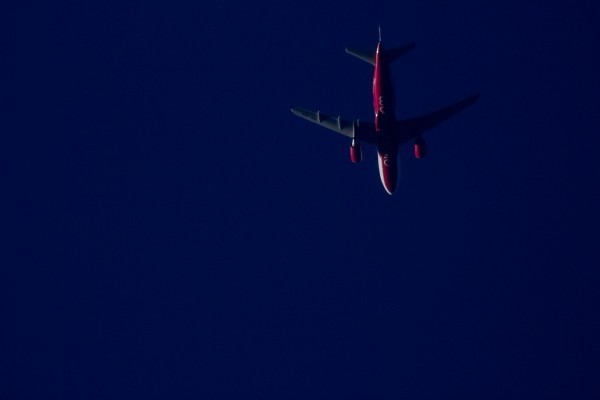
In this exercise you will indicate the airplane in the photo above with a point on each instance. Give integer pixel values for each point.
(387, 133)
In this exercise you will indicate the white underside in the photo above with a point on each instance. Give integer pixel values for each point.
(380, 163)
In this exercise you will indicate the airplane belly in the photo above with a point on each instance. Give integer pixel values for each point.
(388, 171)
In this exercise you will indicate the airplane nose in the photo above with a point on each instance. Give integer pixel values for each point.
(388, 171)
(390, 187)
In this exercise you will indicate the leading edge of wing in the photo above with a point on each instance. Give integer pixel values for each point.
(411, 128)
(362, 131)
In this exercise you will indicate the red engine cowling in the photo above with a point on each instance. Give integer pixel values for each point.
(355, 152)
(420, 148)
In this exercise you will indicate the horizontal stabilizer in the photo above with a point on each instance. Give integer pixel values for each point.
(363, 55)
(395, 53)
(390, 55)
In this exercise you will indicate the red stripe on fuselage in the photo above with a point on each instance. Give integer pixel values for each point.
(383, 97)
(377, 89)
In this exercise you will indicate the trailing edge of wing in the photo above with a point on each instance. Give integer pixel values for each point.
(353, 129)
(411, 128)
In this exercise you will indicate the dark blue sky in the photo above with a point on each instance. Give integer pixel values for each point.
(171, 230)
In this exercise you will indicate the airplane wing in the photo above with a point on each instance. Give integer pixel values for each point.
(411, 128)
(362, 131)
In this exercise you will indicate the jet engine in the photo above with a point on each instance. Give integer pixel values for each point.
(355, 151)
(420, 148)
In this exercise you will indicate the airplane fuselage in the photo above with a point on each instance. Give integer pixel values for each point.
(384, 105)
(387, 133)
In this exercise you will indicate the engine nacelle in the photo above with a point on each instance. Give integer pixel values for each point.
(420, 148)
(355, 151)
